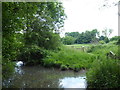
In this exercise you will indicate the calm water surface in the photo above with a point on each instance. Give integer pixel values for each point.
(41, 77)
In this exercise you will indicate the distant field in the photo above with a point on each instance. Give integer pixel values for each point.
(79, 45)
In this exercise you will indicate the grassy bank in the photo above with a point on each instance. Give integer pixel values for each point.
(69, 58)
(103, 71)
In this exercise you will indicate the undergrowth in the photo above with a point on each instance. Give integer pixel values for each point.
(105, 72)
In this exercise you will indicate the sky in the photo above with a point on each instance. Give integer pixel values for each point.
(85, 15)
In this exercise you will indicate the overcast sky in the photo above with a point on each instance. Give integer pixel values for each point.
(85, 15)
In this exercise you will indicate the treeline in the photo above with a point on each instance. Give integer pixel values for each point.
(88, 37)
(30, 30)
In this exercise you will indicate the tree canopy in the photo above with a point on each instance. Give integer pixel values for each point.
(80, 38)
(25, 24)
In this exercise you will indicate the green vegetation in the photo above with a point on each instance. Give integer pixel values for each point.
(103, 71)
(29, 30)
(87, 37)
(70, 58)
(31, 34)
(80, 38)
(68, 40)
(32, 55)
(7, 69)
(104, 74)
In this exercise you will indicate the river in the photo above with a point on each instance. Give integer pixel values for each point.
(41, 77)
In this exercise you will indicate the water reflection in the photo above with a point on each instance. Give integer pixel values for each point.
(41, 77)
(19, 63)
(18, 68)
(73, 82)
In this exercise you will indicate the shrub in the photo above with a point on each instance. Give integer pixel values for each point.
(7, 69)
(32, 55)
(115, 38)
(101, 42)
(63, 67)
(118, 42)
(104, 74)
(68, 40)
(106, 40)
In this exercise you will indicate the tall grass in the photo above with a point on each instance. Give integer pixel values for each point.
(104, 74)
(103, 49)
(69, 58)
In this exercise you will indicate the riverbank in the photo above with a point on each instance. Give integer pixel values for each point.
(101, 70)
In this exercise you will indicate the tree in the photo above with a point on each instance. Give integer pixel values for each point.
(44, 30)
(68, 40)
(87, 37)
(115, 38)
(26, 23)
(101, 38)
(72, 34)
(107, 32)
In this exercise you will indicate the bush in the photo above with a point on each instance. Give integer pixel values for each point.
(101, 42)
(63, 67)
(104, 74)
(32, 55)
(115, 38)
(106, 40)
(68, 40)
(118, 42)
(7, 69)
(103, 49)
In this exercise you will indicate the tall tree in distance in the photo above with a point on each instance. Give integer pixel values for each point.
(107, 32)
(72, 34)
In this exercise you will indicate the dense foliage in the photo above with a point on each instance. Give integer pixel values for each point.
(104, 72)
(29, 28)
(88, 37)
(32, 55)
(72, 34)
(80, 38)
(68, 40)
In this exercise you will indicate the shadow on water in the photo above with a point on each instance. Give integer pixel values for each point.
(41, 77)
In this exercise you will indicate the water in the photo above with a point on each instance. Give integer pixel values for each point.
(41, 77)
(73, 82)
